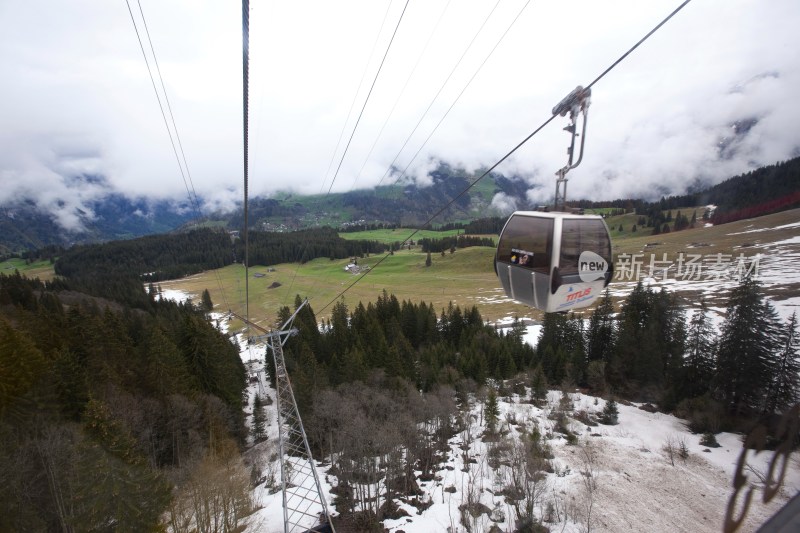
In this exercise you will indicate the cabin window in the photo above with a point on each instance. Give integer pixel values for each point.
(578, 236)
(527, 242)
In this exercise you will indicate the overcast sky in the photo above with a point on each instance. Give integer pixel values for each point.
(76, 96)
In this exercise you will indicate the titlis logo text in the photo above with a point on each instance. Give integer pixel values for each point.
(591, 267)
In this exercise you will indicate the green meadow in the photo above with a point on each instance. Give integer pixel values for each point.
(465, 277)
(38, 269)
(389, 236)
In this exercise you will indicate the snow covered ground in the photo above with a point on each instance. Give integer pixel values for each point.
(638, 488)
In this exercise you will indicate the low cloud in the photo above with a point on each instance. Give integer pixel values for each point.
(504, 203)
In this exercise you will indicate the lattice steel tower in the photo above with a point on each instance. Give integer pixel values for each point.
(304, 505)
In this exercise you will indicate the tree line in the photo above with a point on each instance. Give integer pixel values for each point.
(117, 270)
(443, 244)
(107, 411)
(648, 352)
(408, 341)
(303, 246)
(762, 191)
(481, 226)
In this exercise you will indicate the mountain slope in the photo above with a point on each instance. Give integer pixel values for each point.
(26, 226)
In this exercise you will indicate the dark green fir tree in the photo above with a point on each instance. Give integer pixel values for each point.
(746, 351)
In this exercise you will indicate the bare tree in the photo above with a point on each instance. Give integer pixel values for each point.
(588, 471)
(670, 449)
(472, 516)
(216, 496)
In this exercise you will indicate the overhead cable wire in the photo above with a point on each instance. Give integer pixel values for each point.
(158, 97)
(190, 191)
(169, 107)
(352, 134)
(245, 119)
(441, 88)
(634, 47)
(402, 91)
(288, 292)
(428, 138)
(380, 67)
(510, 152)
(451, 105)
(355, 96)
(366, 159)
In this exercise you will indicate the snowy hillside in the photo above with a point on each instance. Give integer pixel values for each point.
(629, 476)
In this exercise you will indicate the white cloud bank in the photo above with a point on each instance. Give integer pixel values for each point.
(77, 99)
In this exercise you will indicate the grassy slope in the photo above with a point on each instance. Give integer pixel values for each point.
(40, 269)
(717, 238)
(460, 277)
(389, 236)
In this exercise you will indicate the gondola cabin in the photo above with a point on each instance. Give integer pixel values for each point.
(555, 262)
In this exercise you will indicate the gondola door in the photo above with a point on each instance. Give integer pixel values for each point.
(582, 263)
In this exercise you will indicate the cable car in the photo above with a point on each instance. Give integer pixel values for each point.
(555, 262)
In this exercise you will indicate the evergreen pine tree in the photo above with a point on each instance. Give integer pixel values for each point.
(745, 354)
(785, 387)
(633, 352)
(649, 348)
(206, 302)
(669, 325)
(258, 428)
(610, 415)
(340, 334)
(517, 330)
(576, 357)
(538, 385)
(21, 362)
(699, 355)
(600, 336)
(164, 368)
(269, 366)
